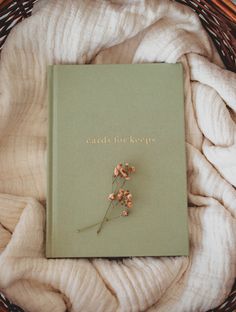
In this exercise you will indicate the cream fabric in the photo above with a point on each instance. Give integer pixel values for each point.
(116, 32)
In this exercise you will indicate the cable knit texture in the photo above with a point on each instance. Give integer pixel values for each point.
(75, 32)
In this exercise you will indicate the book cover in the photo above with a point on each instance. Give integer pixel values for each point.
(101, 116)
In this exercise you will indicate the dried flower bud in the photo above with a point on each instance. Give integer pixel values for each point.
(124, 213)
(119, 197)
(116, 172)
(129, 197)
(129, 204)
(123, 172)
(111, 196)
(119, 166)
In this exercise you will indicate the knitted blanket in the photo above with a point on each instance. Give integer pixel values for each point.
(77, 31)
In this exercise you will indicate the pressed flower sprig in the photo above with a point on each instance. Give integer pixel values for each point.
(119, 197)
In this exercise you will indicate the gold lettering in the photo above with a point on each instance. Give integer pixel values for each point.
(121, 140)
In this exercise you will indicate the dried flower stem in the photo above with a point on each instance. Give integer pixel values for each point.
(114, 180)
(94, 224)
(104, 218)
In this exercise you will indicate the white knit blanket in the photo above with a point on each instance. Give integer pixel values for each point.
(78, 31)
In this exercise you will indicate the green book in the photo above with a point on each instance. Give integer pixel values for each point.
(101, 116)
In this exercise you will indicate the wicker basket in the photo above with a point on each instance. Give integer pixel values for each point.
(219, 19)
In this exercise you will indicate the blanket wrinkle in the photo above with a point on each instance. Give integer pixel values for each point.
(43, 297)
(109, 288)
(216, 188)
(222, 131)
(200, 220)
(193, 135)
(98, 32)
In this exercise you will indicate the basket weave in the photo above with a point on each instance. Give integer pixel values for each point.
(218, 18)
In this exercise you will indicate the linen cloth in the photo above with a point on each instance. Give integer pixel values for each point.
(75, 32)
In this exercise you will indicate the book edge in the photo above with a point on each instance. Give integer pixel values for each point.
(49, 224)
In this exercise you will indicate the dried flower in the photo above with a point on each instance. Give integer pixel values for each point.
(124, 213)
(132, 169)
(124, 197)
(123, 171)
(119, 197)
(129, 197)
(111, 196)
(129, 204)
(116, 172)
(119, 166)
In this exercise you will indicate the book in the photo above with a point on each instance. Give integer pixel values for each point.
(101, 116)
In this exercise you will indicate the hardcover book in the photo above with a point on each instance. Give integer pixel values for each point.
(116, 161)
